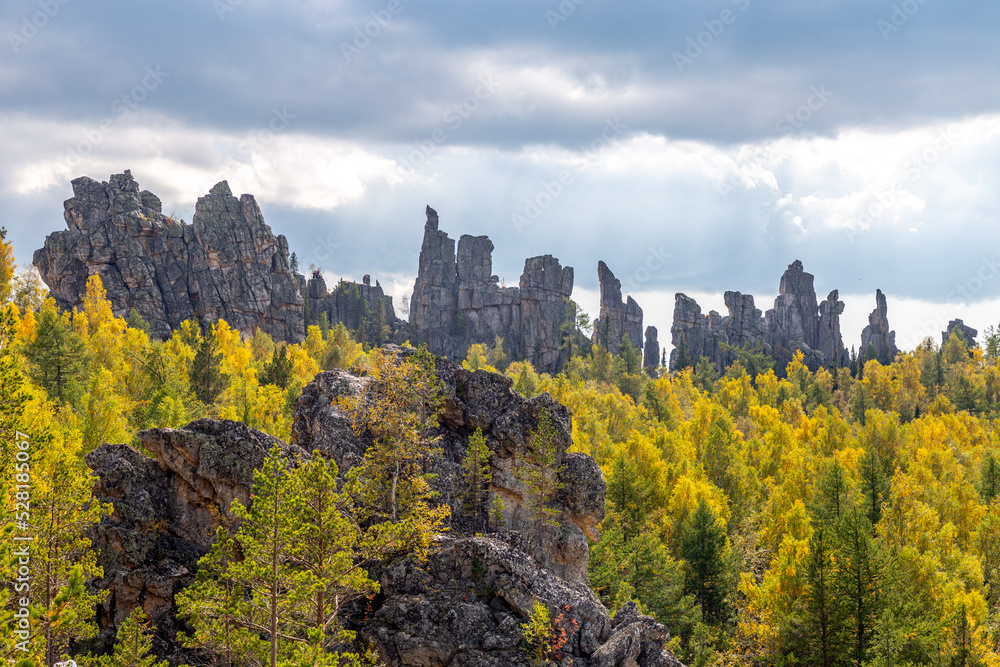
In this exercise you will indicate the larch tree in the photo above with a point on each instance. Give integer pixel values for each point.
(397, 410)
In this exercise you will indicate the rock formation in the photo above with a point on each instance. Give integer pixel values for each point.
(966, 332)
(458, 302)
(226, 264)
(796, 322)
(355, 305)
(651, 351)
(618, 318)
(462, 608)
(166, 510)
(877, 333)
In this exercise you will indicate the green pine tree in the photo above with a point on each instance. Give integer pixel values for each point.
(206, 376)
(859, 580)
(279, 370)
(330, 557)
(629, 356)
(989, 478)
(702, 546)
(477, 475)
(134, 643)
(56, 356)
(538, 471)
(821, 618)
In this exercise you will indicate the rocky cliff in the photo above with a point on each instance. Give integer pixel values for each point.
(356, 305)
(462, 608)
(966, 332)
(651, 351)
(877, 333)
(617, 318)
(797, 322)
(226, 264)
(458, 302)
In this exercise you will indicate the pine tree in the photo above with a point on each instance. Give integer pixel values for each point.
(207, 379)
(56, 355)
(629, 356)
(269, 543)
(538, 471)
(329, 556)
(270, 595)
(134, 644)
(293, 263)
(832, 495)
(279, 370)
(862, 566)
(215, 606)
(874, 484)
(683, 359)
(822, 621)
(702, 544)
(989, 479)
(477, 475)
(63, 515)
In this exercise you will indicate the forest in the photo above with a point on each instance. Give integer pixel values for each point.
(847, 516)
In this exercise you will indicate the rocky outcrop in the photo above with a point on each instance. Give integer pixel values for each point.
(797, 322)
(618, 318)
(226, 264)
(484, 401)
(651, 351)
(458, 302)
(166, 511)
(877, 333)
(695, 335)
(967, 333)
(357, 306)
(464, 606)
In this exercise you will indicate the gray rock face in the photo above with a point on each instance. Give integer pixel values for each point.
(458, 302)
(351, 304)
(651, 351)
(463, 607)
(878, 334)
(226, 264)
(796, 322)
(967, 332)
(618, 318)
(706, 335)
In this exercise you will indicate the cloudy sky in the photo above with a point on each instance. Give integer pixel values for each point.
(693, 146)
